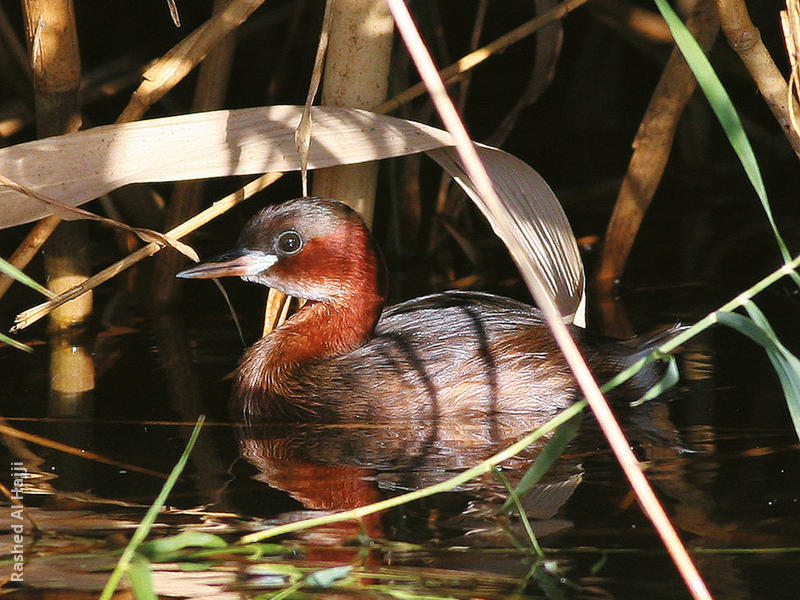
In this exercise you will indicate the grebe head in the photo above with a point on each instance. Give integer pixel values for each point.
(310, 248)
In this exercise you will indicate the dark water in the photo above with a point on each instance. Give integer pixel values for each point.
(721, 456)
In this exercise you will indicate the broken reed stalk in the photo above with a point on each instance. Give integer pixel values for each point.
(745, 39)
(276, 302)
(32, 315)
(652, 147)
(611, 429)
(302, 133)
(212, 86)
(55, 62)
(450, 73)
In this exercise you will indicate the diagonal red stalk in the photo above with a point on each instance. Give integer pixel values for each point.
(630, 465)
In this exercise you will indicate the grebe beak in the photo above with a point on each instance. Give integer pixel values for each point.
(242, 262)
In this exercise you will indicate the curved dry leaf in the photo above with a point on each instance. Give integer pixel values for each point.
(76, 167)
(539, 228)
(80, 166)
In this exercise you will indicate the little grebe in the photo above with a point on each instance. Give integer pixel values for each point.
(342, 357)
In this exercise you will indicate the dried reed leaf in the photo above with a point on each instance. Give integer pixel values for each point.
(77, 167)
(542, 234)
(173, 13)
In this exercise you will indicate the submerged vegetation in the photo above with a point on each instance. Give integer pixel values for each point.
(563, 90)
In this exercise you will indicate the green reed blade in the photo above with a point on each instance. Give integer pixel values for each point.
(13, 272)
(549, 455)
(123, 566)
(786, 364)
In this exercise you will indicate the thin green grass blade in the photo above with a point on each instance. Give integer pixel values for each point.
(14, 343)
(141, 579)
(549, 455)
(157, 550)
(521, 511)
(671, 377)
(786, 365)
(724, 110)
(194, 567)
(123, 566)
(790, 364)
(13, 272)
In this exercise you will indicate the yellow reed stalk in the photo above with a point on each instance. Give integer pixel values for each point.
(356, 76)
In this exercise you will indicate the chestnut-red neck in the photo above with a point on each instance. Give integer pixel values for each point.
(320, 329)
(351, 271)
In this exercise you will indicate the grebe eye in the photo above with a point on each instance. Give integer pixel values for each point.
(290, 242)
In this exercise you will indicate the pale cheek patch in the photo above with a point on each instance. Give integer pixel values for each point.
(256, 264)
